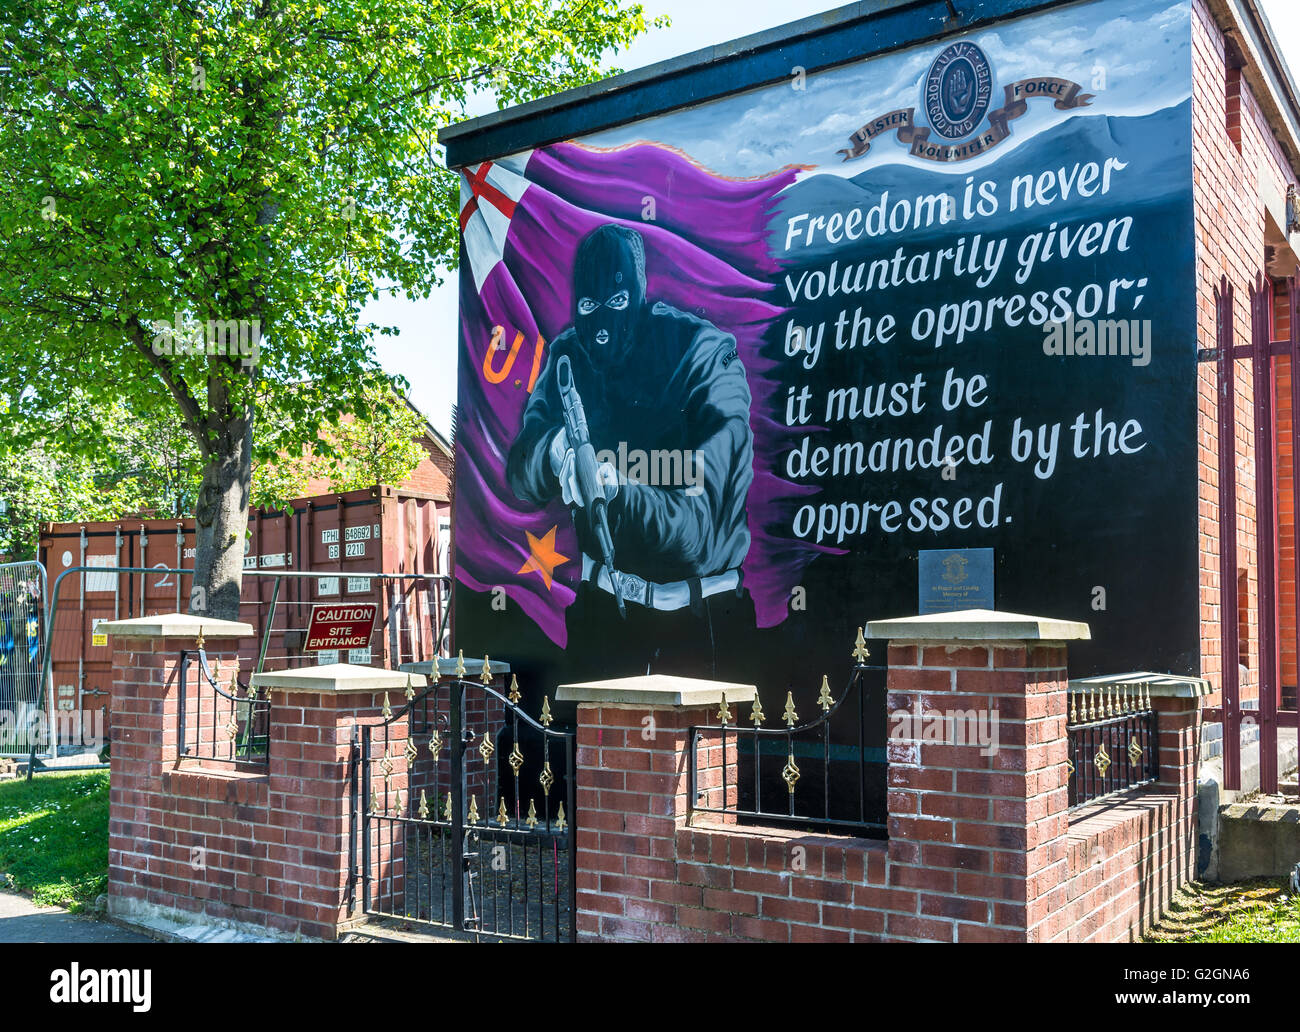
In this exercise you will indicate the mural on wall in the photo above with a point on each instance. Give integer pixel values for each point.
(727, 372)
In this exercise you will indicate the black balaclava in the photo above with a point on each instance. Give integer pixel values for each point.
(609, 292)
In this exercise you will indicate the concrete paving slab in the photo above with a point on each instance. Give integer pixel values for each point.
(21, 920)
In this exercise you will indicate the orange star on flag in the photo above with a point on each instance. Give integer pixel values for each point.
(542, 556)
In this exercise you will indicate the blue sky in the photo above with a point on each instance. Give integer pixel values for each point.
(425, 352)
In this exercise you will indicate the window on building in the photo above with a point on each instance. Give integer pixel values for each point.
(1232, 110)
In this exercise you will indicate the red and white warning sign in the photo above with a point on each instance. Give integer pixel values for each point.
(335, 626)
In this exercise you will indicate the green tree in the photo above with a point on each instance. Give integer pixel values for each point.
(79, 461)
(384, 449)
(197, 200)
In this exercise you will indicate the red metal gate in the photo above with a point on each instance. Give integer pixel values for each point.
(1263, 353)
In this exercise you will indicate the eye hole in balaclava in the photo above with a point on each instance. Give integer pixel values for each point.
(609, 292)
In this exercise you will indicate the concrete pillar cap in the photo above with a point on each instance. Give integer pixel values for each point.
(176, 625)
(655, 690)
(336, 678)
(447, 666)
(978, 625)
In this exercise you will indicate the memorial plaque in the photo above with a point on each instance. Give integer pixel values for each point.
(954, 578)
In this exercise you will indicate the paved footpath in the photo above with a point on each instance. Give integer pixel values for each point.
(21, 920)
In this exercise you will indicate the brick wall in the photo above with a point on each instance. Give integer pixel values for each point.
(1237, 163)
(262, 848)
(981, 847)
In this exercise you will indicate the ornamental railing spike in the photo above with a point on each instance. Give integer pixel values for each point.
(756, 714)
(1074, 715)
(560, 822)
(486, 675)
(791, 717)
(386, 709)
(503, 815)
(724, 714)
(410, 688)
(460, 663)
(423, 810)
(860, 653)
(546, 719)
(514, 689)
(446, 807)
(472, 815)
(531, 819)
(824, 699)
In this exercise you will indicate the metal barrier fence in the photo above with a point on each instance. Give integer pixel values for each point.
(410, 600)
(24, 623)
(1111, 735)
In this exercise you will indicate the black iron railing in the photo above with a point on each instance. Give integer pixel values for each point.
(466, 808)
(1111, 736)
(227, 722)
(827, 774)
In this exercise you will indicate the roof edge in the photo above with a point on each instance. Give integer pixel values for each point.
(821, 41)
(1266, 69)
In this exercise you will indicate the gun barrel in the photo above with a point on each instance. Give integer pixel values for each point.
(586, 468)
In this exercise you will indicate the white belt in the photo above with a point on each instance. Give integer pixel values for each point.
(665, 597)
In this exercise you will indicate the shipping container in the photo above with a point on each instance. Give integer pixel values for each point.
(328, 548)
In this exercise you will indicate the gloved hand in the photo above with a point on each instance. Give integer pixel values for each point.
(564, 466)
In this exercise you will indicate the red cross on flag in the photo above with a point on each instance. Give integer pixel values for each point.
(489, 194)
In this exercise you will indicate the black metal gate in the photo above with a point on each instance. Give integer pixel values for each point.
(464, 806)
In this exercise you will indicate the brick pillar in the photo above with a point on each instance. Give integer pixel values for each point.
(633, 795)
(977, 831)
(314, 711)
(273, 844)
(146, 862)
(1178, 729)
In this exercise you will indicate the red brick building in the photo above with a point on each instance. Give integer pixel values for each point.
(1154, 538)
(1246, 155)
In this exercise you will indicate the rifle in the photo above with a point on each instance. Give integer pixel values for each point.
(586, 470)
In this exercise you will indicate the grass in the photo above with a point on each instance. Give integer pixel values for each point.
(1262, 910)
(54, 837)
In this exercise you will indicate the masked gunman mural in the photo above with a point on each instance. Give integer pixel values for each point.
(732, 376)
(639, 422)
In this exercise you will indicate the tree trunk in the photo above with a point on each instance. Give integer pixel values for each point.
(221, 519)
